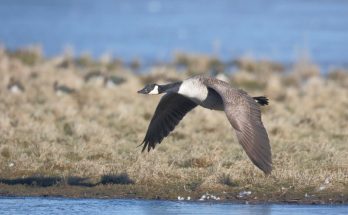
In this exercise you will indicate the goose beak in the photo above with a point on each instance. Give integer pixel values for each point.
(142, 91)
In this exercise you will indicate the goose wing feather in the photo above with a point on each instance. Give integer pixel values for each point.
(170, 110)
(245, 117)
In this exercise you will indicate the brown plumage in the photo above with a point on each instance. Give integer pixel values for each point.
(244, 114)
(242, 111)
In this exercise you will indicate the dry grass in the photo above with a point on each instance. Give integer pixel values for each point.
(95, 131)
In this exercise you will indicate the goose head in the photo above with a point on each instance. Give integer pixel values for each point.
(151, 89)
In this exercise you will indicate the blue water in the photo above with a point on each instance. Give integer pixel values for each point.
(117, 206)
(281, 30)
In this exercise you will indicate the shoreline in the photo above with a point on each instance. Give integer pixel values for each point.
(171, 193)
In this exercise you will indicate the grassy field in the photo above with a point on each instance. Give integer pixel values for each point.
(84, 144)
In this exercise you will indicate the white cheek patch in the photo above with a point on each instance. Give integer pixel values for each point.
(154, 91)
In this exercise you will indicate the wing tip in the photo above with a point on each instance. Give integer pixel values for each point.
(148, 145)
(265, 164)
(267, 170)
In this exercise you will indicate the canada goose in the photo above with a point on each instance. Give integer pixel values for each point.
(96, 78)
(62, 89)
(112, 81)
(242, 111)
(15, 86)
(99, 78)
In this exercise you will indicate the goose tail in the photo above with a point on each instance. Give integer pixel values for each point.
(261, 100)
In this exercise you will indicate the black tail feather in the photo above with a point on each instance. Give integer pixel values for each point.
(262, 100)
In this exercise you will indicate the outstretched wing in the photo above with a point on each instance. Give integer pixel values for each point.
(245, 117)
(170, 110)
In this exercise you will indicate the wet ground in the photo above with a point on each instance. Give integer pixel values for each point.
(172, 192)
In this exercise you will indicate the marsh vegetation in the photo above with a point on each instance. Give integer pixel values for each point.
(85, 143)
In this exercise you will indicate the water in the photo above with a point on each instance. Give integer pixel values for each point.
(281, 30)
(117, 206)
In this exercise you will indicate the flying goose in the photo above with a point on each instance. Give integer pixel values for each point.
(242, 111)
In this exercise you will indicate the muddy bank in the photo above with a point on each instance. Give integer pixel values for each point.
(174, 192)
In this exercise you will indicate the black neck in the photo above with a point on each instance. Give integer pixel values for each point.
(172, 87)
